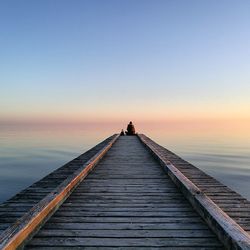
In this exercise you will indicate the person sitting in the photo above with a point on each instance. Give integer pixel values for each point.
(122, 132)
(130, 129)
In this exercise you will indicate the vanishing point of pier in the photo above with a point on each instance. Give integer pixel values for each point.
(127, 192)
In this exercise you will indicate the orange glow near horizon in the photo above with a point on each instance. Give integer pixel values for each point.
(191, 120)
(174, 127)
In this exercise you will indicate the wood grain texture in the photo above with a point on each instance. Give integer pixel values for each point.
(120, 206)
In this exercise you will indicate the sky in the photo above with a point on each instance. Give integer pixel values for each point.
(143, 60)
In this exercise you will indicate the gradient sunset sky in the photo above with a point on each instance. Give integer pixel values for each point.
(125, 60)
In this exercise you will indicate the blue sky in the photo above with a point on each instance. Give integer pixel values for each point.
(131, 59)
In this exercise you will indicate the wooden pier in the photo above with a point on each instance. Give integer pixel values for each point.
(127, 192)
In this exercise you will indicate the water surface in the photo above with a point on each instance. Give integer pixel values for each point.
(28, 153)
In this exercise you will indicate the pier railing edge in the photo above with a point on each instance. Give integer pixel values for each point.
(26, 226)
(230, 233)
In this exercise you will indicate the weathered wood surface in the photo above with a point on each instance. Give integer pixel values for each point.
(214, 207)
(126, 202)
(25, 226)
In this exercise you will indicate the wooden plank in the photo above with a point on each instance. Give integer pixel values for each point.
(125, 225)
(147, 242)
(123, 248)
(102, 213)
(143, 204)
(127, 233)
(129, 209)
(129, 219)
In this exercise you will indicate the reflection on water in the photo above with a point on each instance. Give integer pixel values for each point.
(225, 156)
(28, 153)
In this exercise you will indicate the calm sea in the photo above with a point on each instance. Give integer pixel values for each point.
(28, 153)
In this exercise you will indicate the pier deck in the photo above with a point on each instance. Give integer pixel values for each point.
(139, 195)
